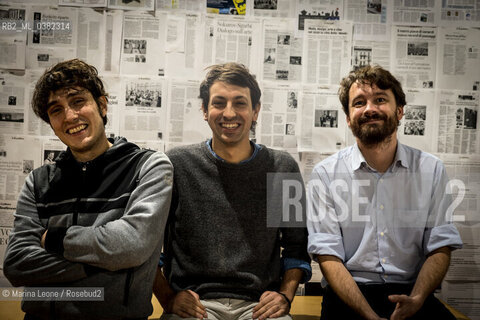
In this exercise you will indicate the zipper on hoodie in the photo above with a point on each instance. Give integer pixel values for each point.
(75, 212)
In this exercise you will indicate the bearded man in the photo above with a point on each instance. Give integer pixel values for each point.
(379, 224)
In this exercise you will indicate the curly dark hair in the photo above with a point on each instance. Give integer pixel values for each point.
(231, 73)
(371, 75)
(64, 75)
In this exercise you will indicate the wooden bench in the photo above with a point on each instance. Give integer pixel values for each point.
(303, 308)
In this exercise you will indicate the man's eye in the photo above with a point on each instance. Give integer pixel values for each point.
(78, 102)
(54, 110)
(381, 100)
(358, 103)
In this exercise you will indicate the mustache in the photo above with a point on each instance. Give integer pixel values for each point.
(376, 116)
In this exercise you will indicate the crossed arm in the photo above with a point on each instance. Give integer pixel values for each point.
(429, 278)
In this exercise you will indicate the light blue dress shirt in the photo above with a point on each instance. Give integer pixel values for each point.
(381, 225)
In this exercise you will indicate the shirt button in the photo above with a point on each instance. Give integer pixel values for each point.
(383, 260)
(386, 276)
(381, 206)
(381, 233)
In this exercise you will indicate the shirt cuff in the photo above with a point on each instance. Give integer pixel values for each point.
(442, 236)
(326, 244)
(292, 263)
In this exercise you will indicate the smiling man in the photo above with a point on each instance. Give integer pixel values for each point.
(379, 224)
(93, 218)
(221, 259)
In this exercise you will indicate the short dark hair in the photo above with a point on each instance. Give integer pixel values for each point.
(67, 74)
(371, 75)
(231, 73)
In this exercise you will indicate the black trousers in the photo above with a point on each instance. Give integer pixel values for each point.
(333, 308)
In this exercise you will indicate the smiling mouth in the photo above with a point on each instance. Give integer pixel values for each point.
(77, 129)
(229, 125)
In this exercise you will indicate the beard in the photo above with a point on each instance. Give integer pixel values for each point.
(374, 133)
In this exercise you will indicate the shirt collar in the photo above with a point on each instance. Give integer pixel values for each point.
(358, 159)
(256, 148)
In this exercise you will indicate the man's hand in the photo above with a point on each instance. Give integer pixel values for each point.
(406, 306)
(186, 304)
(271, 305)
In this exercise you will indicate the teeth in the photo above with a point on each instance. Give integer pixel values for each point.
(229, 125)
(76, 129)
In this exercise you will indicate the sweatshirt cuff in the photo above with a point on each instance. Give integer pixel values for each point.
(54, 240)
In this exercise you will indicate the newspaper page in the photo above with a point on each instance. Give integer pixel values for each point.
(460, 13)
(51, 148)
(186, 5)
(113, 87)
(235, 7)
(365, 11)
(13, 37)
(91, 36)
(406, 12)
(318, 10)
(113, 39)
(34, 125)
(323, 124)
(19, 155)
(417, 125)
(464, 263)
(269, 8)
(143, 114)
(414, 55)
(12, 103)
(183, 43)
(465, 168)
(83, 3)
(45, 57)
(370, 52)
(458, 65)
(308, 161)
(233, 39)
(149, 144)
(282, 58)
(139, 5)
(185, 116)
(457, 122)
(278, 121)
(53, 26)
(327, 51)
(463, 296)
(143, 44)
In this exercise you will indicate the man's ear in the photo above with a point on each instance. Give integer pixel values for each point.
(205, 113)
(348, 120)
(103, 105)
(256, 111)
(400, 112)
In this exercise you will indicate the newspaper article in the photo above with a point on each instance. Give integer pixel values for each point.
(12, 103)
(460, 12)
(365, 11)
(143, 44)
(53, 26)
(414, 55)
(139, 5)
(417, 126)
(318, 10)
(186, 5)
(183, 45)
(465, 168)
(463, 296)
(326, 51)
(149, 144)
(113, 39)
(282, 57)
(308, 161)
(34, 125)
(143, 114)
(323, 125)
(91, 36)
(185, 117)
(370, 52)
(83, 3)
(457, 124)
(113, 87)
(278, 123)
(406, 12)
(235, 7)
(19, 155)
(44, 57)
(458, 65)
(268, 8)
(13, 38)
(234, 39)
